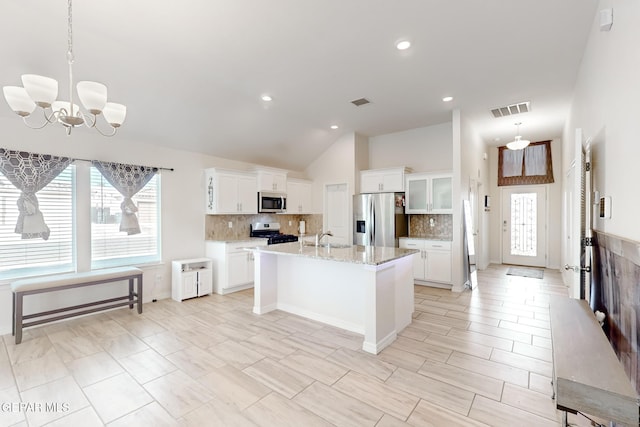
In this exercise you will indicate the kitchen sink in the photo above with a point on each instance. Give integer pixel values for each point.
(334, 245)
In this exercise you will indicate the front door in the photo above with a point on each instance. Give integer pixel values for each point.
(524, 225)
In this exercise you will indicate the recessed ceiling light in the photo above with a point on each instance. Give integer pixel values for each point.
(447, 98)
(403, 45)
(267, 98)
(334, 127)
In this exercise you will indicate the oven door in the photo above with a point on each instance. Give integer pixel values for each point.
(272, 202)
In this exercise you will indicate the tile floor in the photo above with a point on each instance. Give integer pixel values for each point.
(471, 359)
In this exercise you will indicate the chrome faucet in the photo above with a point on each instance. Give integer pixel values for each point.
(320, 236)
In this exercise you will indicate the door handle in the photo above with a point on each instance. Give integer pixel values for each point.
(586, 269)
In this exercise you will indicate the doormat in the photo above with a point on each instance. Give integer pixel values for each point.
(536, 273)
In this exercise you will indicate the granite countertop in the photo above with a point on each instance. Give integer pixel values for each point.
(370, 255)
(438, 239)
(237, 239)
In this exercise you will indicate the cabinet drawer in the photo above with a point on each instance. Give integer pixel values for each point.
(437, 245)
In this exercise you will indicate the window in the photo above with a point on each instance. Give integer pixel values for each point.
(530, 166)
(109, 246)
(20, 257)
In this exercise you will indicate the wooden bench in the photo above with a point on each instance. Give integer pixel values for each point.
(39, 285)
(587, 375)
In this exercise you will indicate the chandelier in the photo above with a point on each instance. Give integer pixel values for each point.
(42, 92)
(518, 143)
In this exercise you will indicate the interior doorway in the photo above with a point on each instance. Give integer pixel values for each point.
(524, 225)
(337, 212)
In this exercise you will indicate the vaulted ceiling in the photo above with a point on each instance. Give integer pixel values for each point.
(192, 73)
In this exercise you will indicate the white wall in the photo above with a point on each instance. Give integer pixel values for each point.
(475, 171)
(554, 208)
(606, 107)
(423, 149)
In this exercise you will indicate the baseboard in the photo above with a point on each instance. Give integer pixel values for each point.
(322, 318)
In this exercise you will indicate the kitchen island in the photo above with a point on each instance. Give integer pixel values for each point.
(363, 289)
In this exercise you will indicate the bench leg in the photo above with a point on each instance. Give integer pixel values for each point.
(131, 294)
(17, 316)
(565, 422)
(139, 294)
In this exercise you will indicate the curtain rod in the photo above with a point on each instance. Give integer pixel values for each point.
(154, 167)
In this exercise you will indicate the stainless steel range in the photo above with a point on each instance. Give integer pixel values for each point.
(271, 231)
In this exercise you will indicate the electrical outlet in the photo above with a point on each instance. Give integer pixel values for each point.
(230, 224)
(290, 223)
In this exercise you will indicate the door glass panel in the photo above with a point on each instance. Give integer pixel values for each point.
(524, 224)
(417, 194)
(441, 188)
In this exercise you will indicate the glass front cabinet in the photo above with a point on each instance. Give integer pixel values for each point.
(429, 193)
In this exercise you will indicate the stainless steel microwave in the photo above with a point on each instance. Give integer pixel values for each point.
(272, 202)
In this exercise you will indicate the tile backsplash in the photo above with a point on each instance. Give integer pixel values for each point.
(431, 226)
(217, 226)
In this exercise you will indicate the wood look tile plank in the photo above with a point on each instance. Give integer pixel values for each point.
(269, 346)
(498, 414)
(116, 396)
(149, 415)
(479, 338)
(336, 407)
(362, 362)
(430, 327)
(429, 415)
(523, 362)
(235, 354)
(501, 332)
(442, 320)
(532, 330)
(147, 365)
(490, 368)
(232, 386)
(487, 312)
(377, 394)
(390, 421)
(421, 349)
(477, 318)
(542, 342)
(275, 410)
(540, 383)
(462, 346)
(194, 361)
(463, 378)
(533, 351)
(445, 395)
(401, 359)
(530, 401)
(216, 413)
(315, 367)
(178, 393)
(278, 378)
(310, 344)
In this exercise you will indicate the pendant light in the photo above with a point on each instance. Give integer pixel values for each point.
(518, 143)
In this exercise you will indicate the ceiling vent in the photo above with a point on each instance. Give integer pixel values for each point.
(360, 102)
(510, 110)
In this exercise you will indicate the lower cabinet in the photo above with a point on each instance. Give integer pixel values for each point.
(432, 263)
(191, 278)
(233, 265)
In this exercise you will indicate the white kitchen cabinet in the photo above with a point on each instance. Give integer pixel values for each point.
(299, 196)
(230, 192)
(233, 266)
(191, 278)
(429, 193)
(433, 262)
(272, 180)
(383, 180)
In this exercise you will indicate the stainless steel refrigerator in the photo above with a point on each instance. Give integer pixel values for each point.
(379, 219)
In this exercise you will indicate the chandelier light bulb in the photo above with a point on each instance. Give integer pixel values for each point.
(42, 90)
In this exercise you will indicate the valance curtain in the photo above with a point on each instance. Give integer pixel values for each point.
(529, 166)
(30, 173)
(128, 180)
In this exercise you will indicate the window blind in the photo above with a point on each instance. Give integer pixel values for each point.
(109, 246)
(20, 257)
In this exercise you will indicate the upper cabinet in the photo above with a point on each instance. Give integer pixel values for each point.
(272, 180)
(230, 192)
(299, 196)
(383, 180)
(429, 193)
